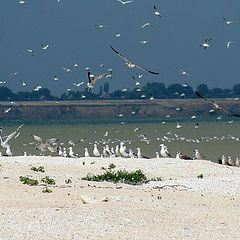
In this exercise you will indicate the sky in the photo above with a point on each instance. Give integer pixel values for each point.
(70, 27)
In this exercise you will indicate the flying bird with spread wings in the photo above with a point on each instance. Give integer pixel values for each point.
(130, 64)
(92, 79)
(217, 106)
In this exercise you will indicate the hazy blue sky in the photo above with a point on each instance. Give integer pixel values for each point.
(69, 29)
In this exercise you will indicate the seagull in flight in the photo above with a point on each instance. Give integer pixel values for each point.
(45, 47)
(130, 64)
(92, 79)
(144, 41)
(122, 2)
(205, 45)
(156, 12)
(217, 106)
(228, 22)
(184, 72)
(146, 25)
(44, 146)
(30, 51)
(78, 84)
(229, 44)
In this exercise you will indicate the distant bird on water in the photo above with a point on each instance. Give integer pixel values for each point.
(130, 64)
(217, 106)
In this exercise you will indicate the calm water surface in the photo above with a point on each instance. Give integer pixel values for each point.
(212, 138)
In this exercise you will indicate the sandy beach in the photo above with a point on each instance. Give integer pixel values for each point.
(181, 206)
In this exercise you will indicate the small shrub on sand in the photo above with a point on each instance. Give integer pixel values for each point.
(28, 181)
(48, 180)
(200, 176)
(68, 181)
(46, 190)
(39, 169)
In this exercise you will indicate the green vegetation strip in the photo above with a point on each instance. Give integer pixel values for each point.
(120, 176)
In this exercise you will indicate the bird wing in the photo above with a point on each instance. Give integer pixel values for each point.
(207, 100)
(220, 107)
(98, 77)
(120, 55)
(10, 136)
(146, 70)
(231, 113)
(51, 140)
(154, 7)
(89, 78)
(37, 138)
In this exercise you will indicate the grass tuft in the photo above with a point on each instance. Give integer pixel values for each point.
(28, 181)
(39, 169)
(48, 180)
(46, 190)
(200, 176)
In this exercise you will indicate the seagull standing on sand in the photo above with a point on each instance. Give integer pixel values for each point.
(139, 154)
(86, 153)
(164, 151)
(198, 155)
(71, 153)
(96, 152)
(122, 150)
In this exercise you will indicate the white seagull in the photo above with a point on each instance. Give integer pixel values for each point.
(126, 2)
(44, 146)
(229, 44)
(156, 12)
(96, 152)
(92, 79)
(228, 22)
(130, 64)
(45, 47)
(206, 45)
(164, 151)
(184, 72)
(146, 25)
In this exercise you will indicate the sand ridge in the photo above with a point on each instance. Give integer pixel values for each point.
(181, 206)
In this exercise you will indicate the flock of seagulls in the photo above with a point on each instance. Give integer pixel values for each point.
(120, 150)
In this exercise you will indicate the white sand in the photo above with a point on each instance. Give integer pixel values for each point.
(181, 206)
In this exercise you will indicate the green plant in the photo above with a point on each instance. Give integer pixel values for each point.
(48, 180)
(46, 190)
(28, 181)
(156, 179)
(39, 169)
(111, 166)
(69, 180)
(123, 176)
(200, 176)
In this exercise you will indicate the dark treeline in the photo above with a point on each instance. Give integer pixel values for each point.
(154, 90)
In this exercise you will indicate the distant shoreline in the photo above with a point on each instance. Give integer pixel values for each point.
(111, 109)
